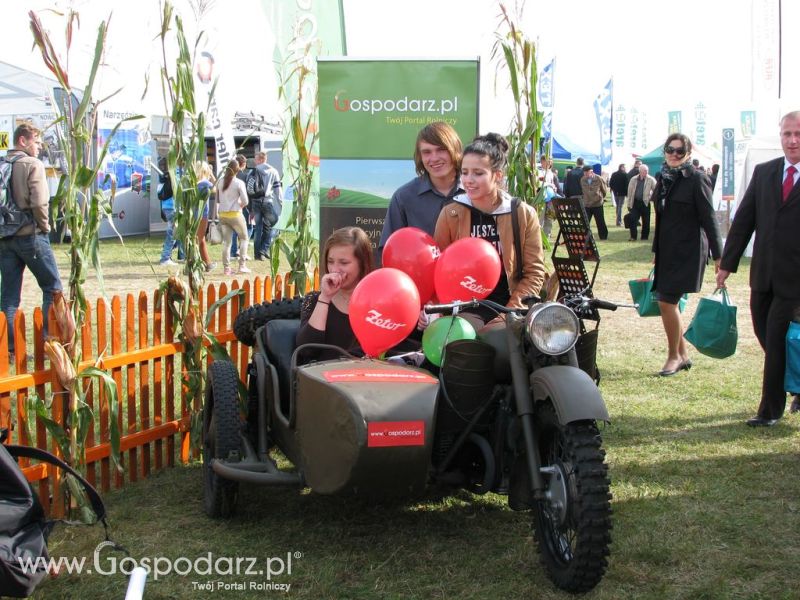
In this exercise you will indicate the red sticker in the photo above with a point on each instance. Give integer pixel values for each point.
(395, 433)
(380, 375)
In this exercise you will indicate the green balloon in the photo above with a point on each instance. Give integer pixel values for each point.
(443, 331)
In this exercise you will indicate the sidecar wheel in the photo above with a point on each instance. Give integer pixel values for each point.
(253, 317)
(221, 430)
(573, 524)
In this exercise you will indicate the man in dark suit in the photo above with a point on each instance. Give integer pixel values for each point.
(572, 181)
(771, 208)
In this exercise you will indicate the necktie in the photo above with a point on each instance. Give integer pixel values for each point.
(788, 183)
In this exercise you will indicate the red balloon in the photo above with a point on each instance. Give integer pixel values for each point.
(468, 268)
(384, 309)
(413, 252)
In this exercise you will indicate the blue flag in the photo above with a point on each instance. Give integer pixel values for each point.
(603, 109)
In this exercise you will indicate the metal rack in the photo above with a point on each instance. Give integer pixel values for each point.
(574, 235)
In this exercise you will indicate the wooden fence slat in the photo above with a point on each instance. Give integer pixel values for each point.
(60, 408)
(116, 373)
(102, 348)
(130, 381)
(157, 378)
(144, 382)
(5, 398)
(86, 350)
(41, 431)
(169, 375)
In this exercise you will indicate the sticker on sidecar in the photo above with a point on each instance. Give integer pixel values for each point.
(395, 433)
(380, 375)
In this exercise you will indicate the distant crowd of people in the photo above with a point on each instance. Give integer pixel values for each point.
(244, 203)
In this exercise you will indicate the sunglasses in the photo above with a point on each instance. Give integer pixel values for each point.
(680, 151)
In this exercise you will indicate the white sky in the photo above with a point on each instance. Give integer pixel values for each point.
(662, 55)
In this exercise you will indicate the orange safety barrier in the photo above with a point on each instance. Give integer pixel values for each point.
(140, 354)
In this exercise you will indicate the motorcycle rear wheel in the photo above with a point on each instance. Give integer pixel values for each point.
(573, 525)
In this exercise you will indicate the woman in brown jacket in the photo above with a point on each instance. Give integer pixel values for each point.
(484, 211)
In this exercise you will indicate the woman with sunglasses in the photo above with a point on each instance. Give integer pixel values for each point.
(686, 230)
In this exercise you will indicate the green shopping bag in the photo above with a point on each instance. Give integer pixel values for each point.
(643, 297)
(713, 329)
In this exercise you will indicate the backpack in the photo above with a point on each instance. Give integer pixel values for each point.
(12, 217)
(255, 185)
(165, 189)
(24, 559)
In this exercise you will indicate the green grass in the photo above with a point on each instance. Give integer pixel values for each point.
(704, 507)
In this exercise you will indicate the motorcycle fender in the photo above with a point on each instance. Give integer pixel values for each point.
(574, 394)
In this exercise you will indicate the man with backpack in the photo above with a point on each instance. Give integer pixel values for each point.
(26, 191)
(265, 193)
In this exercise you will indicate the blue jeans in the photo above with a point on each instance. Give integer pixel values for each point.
(169, 238)
(265, 220)
(34, 252)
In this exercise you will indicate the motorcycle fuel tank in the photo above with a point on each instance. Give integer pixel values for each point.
(365, 426)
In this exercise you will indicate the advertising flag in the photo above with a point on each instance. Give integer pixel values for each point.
(218, 123)
(297, 26)
(727, 164)
(674, 121)
(748, 123)
(603, 109)
(546, 101)
(700, 124)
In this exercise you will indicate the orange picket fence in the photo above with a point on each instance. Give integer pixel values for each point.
(135, 344)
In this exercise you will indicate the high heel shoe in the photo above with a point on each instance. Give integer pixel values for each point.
(686, 365)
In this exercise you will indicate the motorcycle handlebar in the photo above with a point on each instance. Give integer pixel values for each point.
(462, 304)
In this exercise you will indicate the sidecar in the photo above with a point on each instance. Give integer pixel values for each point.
(348, 425)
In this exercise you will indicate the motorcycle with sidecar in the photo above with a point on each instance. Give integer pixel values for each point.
(511, 412)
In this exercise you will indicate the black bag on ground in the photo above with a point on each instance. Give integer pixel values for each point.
(12, 217)
(627, 220)
(23, 527)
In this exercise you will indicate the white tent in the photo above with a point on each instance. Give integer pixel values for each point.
(23, 92)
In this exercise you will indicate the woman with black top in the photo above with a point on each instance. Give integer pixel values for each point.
(324, 316)
(686, 230)
(484, 211)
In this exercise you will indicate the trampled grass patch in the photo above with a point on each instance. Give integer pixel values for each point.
(704, 507)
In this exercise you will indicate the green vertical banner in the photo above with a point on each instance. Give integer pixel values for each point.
(297, 25)
(370, 112)
(674, 121)
(748, 123)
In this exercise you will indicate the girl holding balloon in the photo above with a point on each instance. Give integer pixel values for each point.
(346, 259)
(484, 212)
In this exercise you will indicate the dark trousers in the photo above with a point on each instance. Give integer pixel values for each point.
(619, 202)
(597, 213)
(771, 316)
(641, 211)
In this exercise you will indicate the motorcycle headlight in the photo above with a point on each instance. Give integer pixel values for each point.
(552, 327)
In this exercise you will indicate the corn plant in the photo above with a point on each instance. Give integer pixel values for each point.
(301, 108)
(84, 206)
(515, 54)
(186, 151)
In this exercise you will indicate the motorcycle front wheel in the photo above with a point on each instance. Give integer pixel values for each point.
(573, 523)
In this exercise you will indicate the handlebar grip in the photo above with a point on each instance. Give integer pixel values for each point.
(602, 304)
(448, 308)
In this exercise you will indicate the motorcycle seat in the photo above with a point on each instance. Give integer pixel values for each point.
(278, 337)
